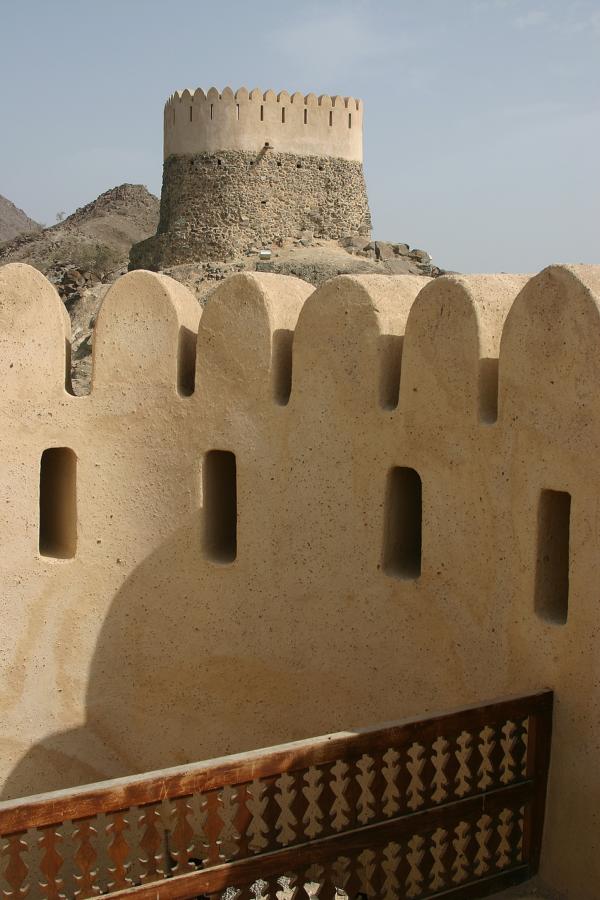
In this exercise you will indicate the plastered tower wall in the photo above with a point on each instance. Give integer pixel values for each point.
(148, 648)
(249, 169)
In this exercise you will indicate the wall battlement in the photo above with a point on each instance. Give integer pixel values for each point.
(307, 125)
(385, 490)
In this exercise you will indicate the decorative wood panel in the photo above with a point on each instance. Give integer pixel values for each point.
(452, 803)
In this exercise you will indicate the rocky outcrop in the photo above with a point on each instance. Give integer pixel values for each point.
(13, 221)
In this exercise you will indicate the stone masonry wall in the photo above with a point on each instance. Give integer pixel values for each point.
(217, 206)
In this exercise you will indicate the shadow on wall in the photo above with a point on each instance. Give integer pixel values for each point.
(183, 671)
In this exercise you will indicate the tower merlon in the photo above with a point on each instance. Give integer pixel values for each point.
(199, 122)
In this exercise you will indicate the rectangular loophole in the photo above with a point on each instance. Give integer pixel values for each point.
(488, 390)
(58, 503)
(391, 370)
(552, 563)
(219, 499)
(283, 339)
(186, 361)
(402, 523)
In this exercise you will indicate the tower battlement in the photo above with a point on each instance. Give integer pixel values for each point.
(199, 122)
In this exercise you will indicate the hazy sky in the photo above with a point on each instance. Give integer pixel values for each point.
(482, 117)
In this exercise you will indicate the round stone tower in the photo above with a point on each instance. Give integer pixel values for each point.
(247, 170)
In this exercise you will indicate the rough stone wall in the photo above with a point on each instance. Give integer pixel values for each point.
(218, 206)
(143, 649)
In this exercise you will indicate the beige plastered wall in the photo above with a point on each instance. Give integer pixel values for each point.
(195, 122)
(140, 652)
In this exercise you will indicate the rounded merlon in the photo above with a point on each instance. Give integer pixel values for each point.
(195, 122)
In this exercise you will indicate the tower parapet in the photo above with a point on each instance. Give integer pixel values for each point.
(307, 125)
(248, 169)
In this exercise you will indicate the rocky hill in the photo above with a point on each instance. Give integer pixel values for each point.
(13, 221)
(94, 239)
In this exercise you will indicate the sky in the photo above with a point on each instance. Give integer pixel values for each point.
(482, 117)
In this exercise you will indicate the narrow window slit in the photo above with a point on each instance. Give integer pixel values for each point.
(402, 523)
(191, 111)
(219, 500)
(349, 120)
(211, 110)
(58, 503)
(391, 370)
(283, 340)
(488, 390)
(552, 563)
(306, 117)
(262, 113)
(283, 114)
(186, 362)
(237, 111)
(331, 118)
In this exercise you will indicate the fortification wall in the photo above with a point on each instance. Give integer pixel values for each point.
(195, 122)
(217, 207)
(190, 603)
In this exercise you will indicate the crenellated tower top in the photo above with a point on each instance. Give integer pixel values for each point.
(307, 125)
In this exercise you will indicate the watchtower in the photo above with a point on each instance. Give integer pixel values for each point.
(251, 168)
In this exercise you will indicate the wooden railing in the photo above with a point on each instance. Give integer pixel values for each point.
(453, 803)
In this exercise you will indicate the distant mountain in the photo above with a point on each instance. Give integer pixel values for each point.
(97, 237)
(13, 221)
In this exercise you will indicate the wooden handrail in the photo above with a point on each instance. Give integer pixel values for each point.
(180, 781)
(454, 800)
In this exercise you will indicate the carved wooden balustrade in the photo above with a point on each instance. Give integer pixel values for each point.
(453, 803)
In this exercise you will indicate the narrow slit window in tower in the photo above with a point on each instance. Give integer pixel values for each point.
(219, 500)
(262, 114)
(58, 503)
(191, 113)
(283, 114)
(211, 110)
(306, 117)
(552, 563)
(402, 523)
(237, 111)
(331, 118)
(349, 120)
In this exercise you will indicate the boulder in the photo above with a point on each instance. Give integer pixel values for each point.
(353, 243)
(400, 265)
(421, 255)
(384, 250)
